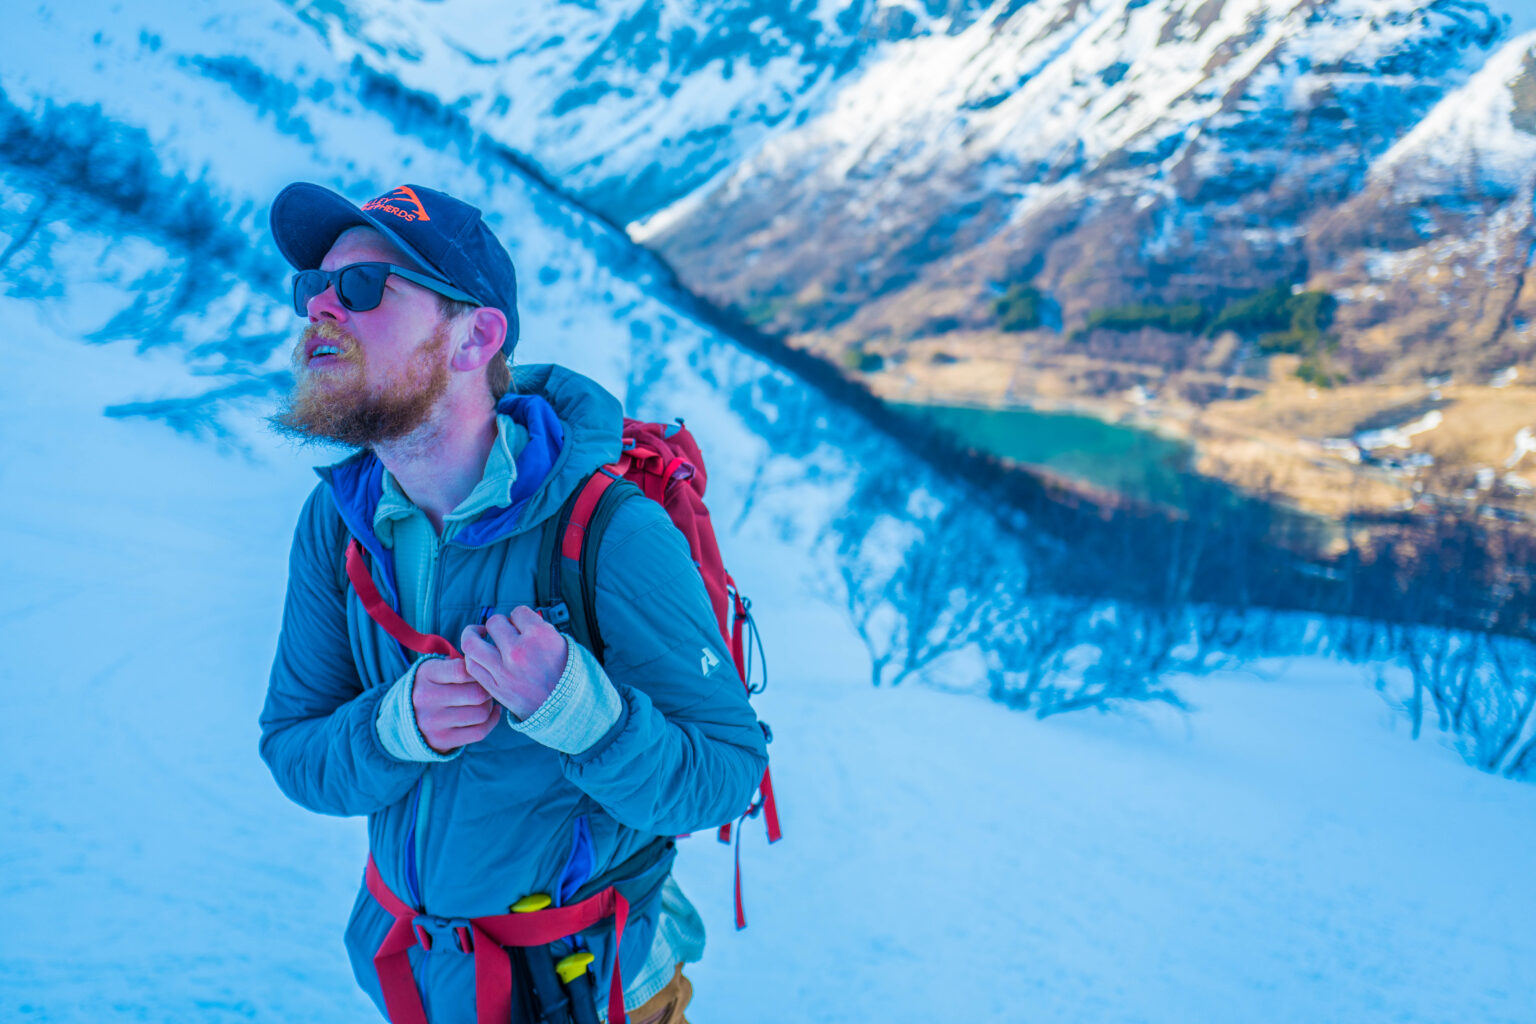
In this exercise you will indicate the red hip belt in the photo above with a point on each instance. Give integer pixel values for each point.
(486, 937)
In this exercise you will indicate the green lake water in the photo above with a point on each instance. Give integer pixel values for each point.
(1130, 461)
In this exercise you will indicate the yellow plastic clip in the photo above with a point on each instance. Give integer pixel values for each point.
(574, 966)
(530, 903)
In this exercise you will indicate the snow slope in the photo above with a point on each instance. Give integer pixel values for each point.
(1280, 854)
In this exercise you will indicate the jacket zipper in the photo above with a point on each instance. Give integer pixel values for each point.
(414, 833)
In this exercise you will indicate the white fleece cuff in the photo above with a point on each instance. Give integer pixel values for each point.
(396, 725)
(581, 709)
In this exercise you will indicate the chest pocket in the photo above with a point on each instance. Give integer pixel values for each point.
(476, 583)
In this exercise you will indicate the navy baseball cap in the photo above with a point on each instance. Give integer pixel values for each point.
(445, 237)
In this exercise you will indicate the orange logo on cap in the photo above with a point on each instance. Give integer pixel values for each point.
(403, 194)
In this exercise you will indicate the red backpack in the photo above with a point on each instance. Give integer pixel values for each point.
(663, 463)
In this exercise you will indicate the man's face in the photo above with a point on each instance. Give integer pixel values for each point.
(361, 378)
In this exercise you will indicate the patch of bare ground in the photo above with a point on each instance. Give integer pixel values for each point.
(1477, 431)
(1480, 427)
(1292, 408)
(1300, 475)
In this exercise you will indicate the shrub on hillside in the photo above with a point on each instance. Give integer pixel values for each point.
(1307, 317)
(1020, 308)
(1180, 318)
(1276, 319)
(1266, 312)
(858, 360)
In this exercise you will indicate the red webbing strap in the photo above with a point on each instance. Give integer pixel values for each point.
(638, 454)
(770, 808)
(653, 484)
(388, 619)
(391, 961)
(770, 811)
(674, 467)
(741, 910)
(581, 515)
(493, 967)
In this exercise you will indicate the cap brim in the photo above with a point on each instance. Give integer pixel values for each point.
(307, 219)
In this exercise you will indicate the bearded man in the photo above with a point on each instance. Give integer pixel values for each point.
(515, 769)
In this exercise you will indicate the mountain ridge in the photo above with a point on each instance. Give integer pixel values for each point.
(874, 181)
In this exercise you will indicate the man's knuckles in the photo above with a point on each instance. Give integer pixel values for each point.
(444, 671)
(437, 722)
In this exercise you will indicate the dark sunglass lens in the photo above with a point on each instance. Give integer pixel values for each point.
(361, 286)
(306, 285)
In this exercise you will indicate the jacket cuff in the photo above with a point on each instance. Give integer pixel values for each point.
(399, 734)
(579, 712)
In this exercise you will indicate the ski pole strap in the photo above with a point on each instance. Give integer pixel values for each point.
(489, 936)
(388, 619)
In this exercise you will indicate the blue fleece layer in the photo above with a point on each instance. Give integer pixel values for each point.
(358, 484)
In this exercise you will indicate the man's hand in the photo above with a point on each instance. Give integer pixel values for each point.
(452, 710)
(517, 658)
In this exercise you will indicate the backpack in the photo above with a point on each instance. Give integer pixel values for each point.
(661, 462)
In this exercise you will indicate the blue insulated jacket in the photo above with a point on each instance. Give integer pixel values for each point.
(507, 817)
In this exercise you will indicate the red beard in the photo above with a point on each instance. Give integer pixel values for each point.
(338, 405)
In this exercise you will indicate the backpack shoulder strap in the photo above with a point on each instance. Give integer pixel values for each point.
(565, 583)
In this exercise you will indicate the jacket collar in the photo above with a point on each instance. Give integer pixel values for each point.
(573, 427)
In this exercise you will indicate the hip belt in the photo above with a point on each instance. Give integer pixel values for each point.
(487, 938)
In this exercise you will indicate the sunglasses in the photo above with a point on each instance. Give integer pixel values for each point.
(360, 286)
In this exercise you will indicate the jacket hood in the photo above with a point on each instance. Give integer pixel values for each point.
(593, 423)
(573, 427)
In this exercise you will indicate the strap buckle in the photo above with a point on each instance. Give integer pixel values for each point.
(557, 614)
(433, 932)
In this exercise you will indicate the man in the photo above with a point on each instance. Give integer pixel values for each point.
(511, 768)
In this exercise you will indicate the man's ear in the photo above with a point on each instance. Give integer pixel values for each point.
(482, 340)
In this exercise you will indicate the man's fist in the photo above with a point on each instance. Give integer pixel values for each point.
(517, 658)
(452, 710)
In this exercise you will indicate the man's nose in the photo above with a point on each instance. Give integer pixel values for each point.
(326, 306)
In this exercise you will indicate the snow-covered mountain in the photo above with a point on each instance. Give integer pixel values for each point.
(1281, 853)
(873, 173)
(1115, 153)
(628, 105)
